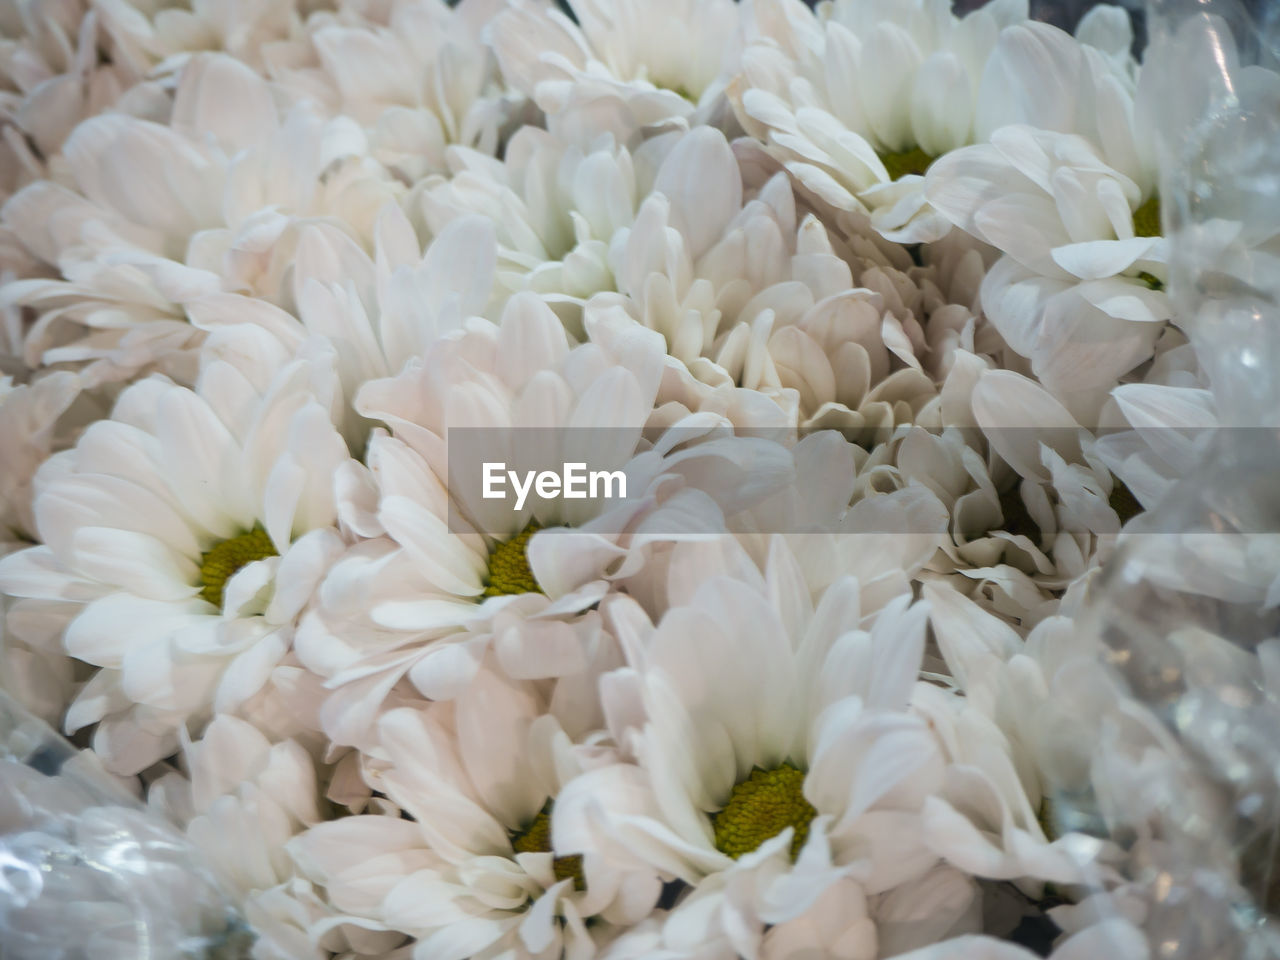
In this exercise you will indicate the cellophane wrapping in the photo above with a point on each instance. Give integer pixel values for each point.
(1169, 746)
(86, 871)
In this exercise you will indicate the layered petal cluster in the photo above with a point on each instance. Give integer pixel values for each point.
(151, 216)
(621, 66)
(180, 539)
(859, 98)
(840, 304)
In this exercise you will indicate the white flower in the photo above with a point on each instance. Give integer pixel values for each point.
(769, 732)
(378, 312)
(29, 415)
(471, 872)
(1034, 507)
(625, 64)
(187, 531)
(554, 206)
(827, 328)
(53, 76)
(1080, 289)
(857, 98)
(155, 36)
(152, 217)
(36, 671)
(446, 573)
(240, 784)
(417, 78)
(1019, 694)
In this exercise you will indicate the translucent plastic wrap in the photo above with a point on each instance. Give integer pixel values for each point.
(1176, 752)
(86, 871)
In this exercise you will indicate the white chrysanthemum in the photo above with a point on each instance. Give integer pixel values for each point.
(769, 732)
(417, 78)
(554, 206)
(187, 532)
(835, 328)
(262, 793)
(151, 217)
(832, 328)
(1080, 289)
(469, 868)
(442, 560)
(1033, 507)
(378, 312)
(36, 670)
(625, 64)
(150, 36)
(859, 98)
(1021, 687)
(52, 76)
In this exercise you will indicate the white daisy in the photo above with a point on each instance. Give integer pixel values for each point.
(165, 527)
(416, 76)
(446, 573)
(241, 784)
(856, 98)
(157, 35)
(470, 869)
(152, 217)
(623, 65)
(769, 732)
(377, 312)
(1080, 289)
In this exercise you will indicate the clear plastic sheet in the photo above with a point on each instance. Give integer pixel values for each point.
(87, 872)
(1174, 744)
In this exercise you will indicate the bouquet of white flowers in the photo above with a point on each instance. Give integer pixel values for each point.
(633, 480)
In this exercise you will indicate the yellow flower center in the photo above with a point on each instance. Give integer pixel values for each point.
(762, 806)
(536, 838)
(509, 571)
(1146, 219)
(906, 162)
(219, 564)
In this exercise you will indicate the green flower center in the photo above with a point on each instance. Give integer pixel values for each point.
(1146, 219)
(762, 806)
(536, 838)
(220, 563)
(914, 161)
(509, 571)
(1151, 280)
